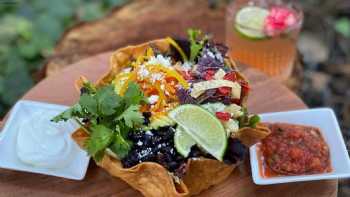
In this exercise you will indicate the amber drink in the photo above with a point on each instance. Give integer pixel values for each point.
(263, 34)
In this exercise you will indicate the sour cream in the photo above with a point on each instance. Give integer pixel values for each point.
(43, 143)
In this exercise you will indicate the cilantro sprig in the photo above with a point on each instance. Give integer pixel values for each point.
(197, 42)
(248, 121)
(108, 117)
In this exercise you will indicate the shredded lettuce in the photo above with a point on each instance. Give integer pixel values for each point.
(214, 107)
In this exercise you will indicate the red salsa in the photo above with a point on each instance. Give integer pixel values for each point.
(293, 150)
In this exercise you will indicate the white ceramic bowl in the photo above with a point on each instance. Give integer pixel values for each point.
(75, 169)
(322, 118)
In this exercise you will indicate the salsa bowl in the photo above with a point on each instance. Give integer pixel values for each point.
(326, 121)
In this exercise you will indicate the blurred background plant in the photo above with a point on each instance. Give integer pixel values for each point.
(28, 33)
(325, 48)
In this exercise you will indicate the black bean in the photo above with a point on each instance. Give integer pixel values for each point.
(146, 116)
(159, 147)
(236, 151)
(172, 166)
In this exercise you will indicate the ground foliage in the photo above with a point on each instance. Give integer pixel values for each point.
(29, 30)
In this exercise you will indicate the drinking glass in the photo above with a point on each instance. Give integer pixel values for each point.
(269, 42)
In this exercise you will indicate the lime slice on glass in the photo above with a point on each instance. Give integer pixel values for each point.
(204, 128)
(183, 141)
(249, 21)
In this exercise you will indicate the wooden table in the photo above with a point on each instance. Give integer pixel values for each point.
(267, 95)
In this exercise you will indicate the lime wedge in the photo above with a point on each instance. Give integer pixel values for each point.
(249, 21)
(204, 128)
(183, 141)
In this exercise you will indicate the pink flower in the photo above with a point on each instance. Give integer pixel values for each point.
(279, 20)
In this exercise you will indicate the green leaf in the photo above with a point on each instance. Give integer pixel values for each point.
(28, 50)
(99, 155)
(89, 88)
(194, 51)
(342, 26)
(2, 88)
(120, 145)
(244, 118)
(112, 3)
(45, 45)
(255, 119)
(75, 111)
(39, 45)
(89, 103)
(132, 116)
(196, 44)
(61, 9)
(133, 95)
(48, 26)
(23, 27)
(99, 140)
(90, 11)
(13, 26)
(107, 100)
(17, 82)
(124, 130)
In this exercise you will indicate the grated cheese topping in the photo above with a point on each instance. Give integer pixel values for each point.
(159, 59)
(187, 66)
(153, 99)
(143, 72)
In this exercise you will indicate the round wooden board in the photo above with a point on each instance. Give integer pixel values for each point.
(267, 96)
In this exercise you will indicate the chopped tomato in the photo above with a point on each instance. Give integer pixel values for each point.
(231, 76)
(295, 135)
(224, 91)
(224, 116)
(236, 101)
(186, 75)
(245, 85)
(316, 164)
(209, 75)
(295, 153)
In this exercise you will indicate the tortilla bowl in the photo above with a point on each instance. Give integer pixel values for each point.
(150, 178)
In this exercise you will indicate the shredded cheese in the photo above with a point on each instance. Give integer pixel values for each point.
(170, 73)
(159, 59)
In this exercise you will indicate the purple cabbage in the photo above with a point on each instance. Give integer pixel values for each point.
(185, 97)
(223, 99)
(208, 94)
(211, 58)
(207, 97)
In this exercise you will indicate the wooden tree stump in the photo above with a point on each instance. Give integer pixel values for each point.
(136, 22)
